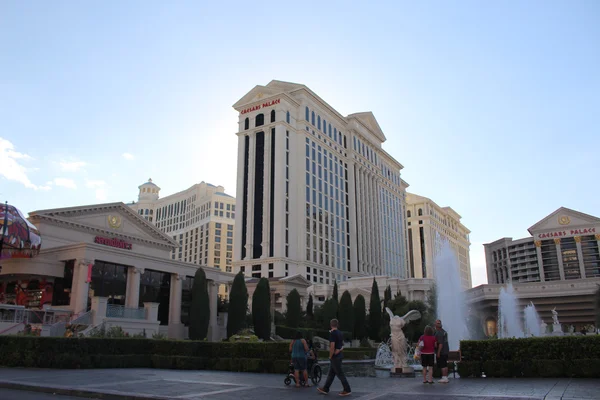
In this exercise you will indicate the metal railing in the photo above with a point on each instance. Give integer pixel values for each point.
(58, 329)
(19, 314)
(119, 311)
(83, 319)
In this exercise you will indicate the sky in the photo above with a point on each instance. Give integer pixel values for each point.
(492, 107)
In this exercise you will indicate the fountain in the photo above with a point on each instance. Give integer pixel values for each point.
(508, 314)
(384, 360)
(451, 305)
(556, 327)
(533, 322)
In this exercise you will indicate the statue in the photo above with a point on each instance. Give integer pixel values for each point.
(555, 317)
(398, 339)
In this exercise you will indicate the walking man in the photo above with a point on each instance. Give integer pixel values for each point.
(336, 348)
(441, 337)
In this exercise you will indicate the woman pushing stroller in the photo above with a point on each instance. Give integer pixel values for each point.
(299, 349)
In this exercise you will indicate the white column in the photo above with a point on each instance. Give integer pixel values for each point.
(132, 296)
(79, 297)
(266, 195)
(296, 181)
(151, 311)
(176, 328)
(580, 256)
(239, 202)
(540, 261)
(99, 305)
(250, 199)
(561, 268)
(213, 298)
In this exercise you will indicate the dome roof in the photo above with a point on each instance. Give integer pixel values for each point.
(149, 183)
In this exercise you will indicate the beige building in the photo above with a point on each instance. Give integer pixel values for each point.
(104, 265)
(557, 267)
(563, 246)
(317, 193)
(200, 219)
(427, 224)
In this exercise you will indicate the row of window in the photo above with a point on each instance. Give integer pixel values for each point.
(325, 127)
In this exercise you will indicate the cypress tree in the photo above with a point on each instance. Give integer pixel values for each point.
(261, 309)
(238, 305)
(199, 307)
(335, 292)
(360, 317)
(346, 313)
(328, 312)
(294, 309)
(374, 312)
(309, 307)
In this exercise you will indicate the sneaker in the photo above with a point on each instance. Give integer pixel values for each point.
(344, 393)
(322, 391)
(444, 380)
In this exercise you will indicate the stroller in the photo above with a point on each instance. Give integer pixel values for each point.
(313, 368)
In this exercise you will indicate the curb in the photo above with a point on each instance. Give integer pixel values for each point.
(67, 391)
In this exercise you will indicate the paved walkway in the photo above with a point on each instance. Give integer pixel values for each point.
(142, 384)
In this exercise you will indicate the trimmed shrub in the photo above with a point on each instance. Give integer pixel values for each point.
(374, 312)
(199, 307)
(360, 318)
(238, 305)
(346, 312)
(64, 353)
(293, 314)
(261, 309)
(548, 357)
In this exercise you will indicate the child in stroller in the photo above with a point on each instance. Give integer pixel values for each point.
(313, 368)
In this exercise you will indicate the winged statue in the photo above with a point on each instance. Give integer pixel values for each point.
(398, 339)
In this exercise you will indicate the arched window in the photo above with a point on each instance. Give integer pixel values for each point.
(329, 130)
(272, 115)
(408, 214)
(319, 122)
(287, 117)
(306, 114)
(324, 126)
(312, 118)
(260, 120)
(420, 211)
(247, 124)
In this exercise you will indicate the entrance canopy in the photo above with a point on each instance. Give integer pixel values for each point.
(18, 237)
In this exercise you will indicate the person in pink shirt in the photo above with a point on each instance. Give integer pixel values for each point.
(427, 346)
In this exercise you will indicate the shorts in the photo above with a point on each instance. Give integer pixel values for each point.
(427, 360)
(442, 361)
(299, 364)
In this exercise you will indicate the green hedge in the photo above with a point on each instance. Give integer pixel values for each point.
(47, 352)
(308, 333)
(547, 357)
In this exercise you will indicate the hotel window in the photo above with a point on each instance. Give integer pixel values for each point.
(312, 118)
(247, 124)
(260, 120)
(272, 115)
(306, 111)
(420, 211)
(319, 122)
(287, 117)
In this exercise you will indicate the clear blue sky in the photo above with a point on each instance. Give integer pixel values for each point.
(491, 107)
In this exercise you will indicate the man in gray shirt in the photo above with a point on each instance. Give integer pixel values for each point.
(441, 337)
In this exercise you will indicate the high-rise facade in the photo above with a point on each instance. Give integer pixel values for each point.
(563, 246)
(316, 193)
(201, 219)
(427, 224)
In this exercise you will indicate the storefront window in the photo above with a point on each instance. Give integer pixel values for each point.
(109, 280)
(155, 287)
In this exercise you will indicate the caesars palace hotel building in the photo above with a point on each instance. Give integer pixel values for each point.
(316, 193)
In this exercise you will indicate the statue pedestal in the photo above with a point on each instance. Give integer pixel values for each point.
(557, 330)
(402, 372)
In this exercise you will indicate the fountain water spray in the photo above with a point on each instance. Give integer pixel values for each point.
(533, 322)
(508, 314)
(451, 306)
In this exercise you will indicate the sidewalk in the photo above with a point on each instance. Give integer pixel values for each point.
(142, 384)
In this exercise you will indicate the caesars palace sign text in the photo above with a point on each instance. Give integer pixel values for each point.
(259, 106)
(568, 232)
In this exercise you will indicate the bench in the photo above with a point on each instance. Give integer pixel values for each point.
(454, 357)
